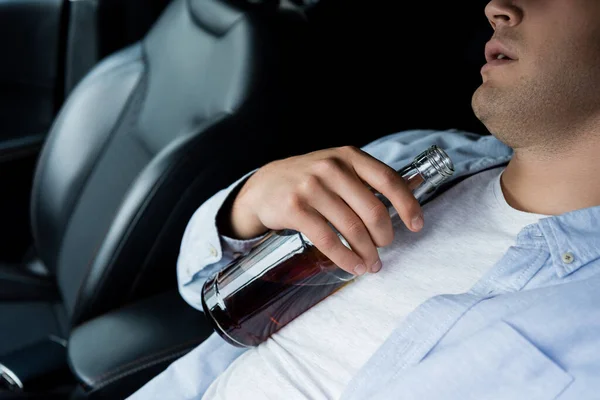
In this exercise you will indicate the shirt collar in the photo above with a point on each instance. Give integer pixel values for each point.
(573, 238)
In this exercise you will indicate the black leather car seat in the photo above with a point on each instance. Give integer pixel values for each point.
(96, 29)
(143, 140)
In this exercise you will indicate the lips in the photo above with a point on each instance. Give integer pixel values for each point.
(498, 54)
(495, 48)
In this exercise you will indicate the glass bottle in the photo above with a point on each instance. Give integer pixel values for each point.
(285, 274)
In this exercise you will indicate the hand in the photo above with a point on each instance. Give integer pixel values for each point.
(306, 192)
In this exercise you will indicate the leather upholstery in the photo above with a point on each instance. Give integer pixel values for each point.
(19, 284)
(147, 136)
(79, 134)
(35, 363)
(27, 323)
(144, 338)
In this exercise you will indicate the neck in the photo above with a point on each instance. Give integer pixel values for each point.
(554, 181)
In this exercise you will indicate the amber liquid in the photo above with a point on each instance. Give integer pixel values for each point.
(249, 305)
(270, 302)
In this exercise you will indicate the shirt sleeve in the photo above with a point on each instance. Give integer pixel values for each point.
(203, 250)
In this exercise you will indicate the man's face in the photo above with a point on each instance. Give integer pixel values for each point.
(552, 83)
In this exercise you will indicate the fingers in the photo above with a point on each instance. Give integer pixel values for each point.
(349, 224)
(320, 233)
(372, 212)
(389, 183)
(329, 188)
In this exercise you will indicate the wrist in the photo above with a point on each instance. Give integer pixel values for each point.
(243, 225)
(234, 221)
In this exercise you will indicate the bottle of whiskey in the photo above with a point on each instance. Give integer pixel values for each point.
(284, 275)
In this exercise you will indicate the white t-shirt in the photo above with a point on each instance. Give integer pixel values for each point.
(467, 230)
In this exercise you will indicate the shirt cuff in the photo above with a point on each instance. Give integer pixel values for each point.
(203, 250)
(237, 247)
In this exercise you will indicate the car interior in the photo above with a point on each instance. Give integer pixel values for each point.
(119, 118)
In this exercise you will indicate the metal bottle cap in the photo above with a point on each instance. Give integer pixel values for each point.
(434, 165)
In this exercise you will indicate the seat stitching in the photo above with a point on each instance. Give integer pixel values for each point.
(98, 380)
(139, 368)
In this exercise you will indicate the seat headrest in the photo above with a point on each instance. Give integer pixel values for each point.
(217, 16)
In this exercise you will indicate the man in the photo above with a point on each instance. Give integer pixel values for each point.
(496, 295)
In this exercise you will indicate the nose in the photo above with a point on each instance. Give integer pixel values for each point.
(503, 13)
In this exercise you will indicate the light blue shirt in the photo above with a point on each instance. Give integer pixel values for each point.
(528, 329)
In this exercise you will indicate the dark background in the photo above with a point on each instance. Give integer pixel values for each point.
(380, 66)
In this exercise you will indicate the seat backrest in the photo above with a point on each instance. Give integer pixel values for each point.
(98, 28)
(152, 132)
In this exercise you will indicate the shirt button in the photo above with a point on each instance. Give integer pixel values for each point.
(213, 251)
(568, 258)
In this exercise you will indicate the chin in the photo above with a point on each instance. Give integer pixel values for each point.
(478, 106)
(487, 105)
